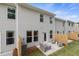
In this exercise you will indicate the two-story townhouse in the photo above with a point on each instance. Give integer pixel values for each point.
(77, 27)
(70, 26)
(7, 28)
(60, 26)
(35, 25)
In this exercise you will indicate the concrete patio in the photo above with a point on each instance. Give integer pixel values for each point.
(54, 48)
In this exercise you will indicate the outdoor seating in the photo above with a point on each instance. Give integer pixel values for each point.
(45, 46)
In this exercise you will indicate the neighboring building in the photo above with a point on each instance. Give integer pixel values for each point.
(64, 26)
(77, 27)
(35, 25)
(7, 28)
(60, 26)
(70, 26)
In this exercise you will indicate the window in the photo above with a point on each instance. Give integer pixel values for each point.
(51, 34)
(35, 35)
(9, 37)
(57, 32)
(29, 36)
(50, 20)
(69, 23)
(41, 17)
(11, 13)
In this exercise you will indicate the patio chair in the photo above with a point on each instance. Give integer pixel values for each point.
(45, 47)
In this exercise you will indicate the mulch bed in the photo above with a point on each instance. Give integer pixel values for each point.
(31, 50)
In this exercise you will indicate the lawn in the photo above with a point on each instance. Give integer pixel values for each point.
(71, 50)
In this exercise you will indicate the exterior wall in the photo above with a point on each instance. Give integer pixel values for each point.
(6, 24)
(66, 28)
(30, 20)
(59, 26)
(76, 27)
(70, 28)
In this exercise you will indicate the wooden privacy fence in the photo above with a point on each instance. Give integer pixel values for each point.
(19, 45)
(61, 38)
(17, 51)
(73, 36)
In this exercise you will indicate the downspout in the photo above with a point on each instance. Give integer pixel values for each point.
(17, 34)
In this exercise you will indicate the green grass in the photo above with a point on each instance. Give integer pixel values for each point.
(71, 50)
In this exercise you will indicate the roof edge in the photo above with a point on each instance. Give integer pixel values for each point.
(26, 5)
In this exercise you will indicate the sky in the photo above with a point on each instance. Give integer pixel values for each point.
(65, 11)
